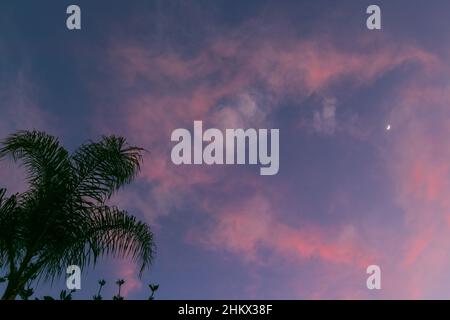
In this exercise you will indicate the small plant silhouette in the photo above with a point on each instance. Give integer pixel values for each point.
(64, 295)
(119, 283)
(101, 284)
(25, 294)
(153, 289)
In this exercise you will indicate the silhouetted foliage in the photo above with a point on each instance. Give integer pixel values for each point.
(63, 218)
(25, 294)
(64, 295)
(119, 283)
(101, 284)
(153, 289)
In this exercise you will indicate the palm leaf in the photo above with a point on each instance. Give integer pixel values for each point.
(103, 167)
(8, 225)
(46, 162)
(108, 231)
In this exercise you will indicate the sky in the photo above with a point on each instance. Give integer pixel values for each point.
(349, 192)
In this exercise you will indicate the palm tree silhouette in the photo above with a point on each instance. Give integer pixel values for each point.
(63, 218)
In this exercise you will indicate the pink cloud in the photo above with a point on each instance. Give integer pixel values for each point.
(417, 153)
(252, 224)
(176, 90)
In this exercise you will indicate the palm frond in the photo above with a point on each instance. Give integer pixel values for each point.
(41, 155)
(107, 231)
(105, 166)
(8, 226)
(115, 232)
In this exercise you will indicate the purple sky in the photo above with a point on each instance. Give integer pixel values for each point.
(349, 193)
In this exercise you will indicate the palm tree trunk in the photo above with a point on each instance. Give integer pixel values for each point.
(16, 280)
(12, 290)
